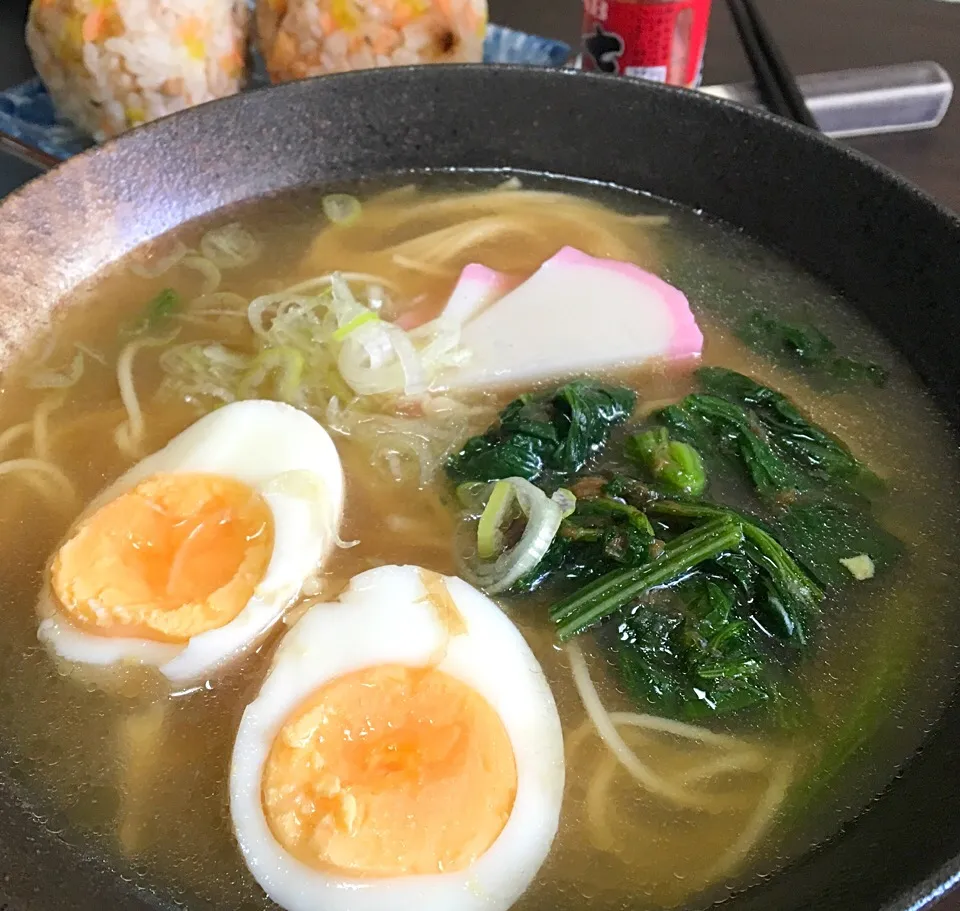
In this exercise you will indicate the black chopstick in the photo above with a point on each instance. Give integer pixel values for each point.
(778, 89)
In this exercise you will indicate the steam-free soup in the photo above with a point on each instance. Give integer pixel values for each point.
(674, 791)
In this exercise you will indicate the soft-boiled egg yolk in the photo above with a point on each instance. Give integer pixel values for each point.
(390, 770)
(175, 556)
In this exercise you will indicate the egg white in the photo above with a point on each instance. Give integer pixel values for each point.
(290, 460)
(383, 617)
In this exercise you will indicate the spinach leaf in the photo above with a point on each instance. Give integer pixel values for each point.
(651, 663)
(814, 449)
(823, 533)
(677, 559)
(781, 595)
(783, 452)
(872, 707)
(540, 436)
(698, 661)
(712, 421)
(849, 370)
(602, 535)
(805, 347)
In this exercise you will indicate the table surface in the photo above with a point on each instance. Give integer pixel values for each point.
(815, 35)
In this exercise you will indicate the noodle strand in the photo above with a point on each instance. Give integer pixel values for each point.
(60, 481)
(129, 435)
(41, 435)
(607, 730)
(761, 820)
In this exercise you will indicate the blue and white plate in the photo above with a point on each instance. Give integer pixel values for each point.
(27, 113)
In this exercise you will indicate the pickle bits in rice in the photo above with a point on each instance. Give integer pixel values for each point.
(300, 38)
(113, 64)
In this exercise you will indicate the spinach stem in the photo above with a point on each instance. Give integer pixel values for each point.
(617, 589)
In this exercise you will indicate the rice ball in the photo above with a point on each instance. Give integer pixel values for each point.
(113, 64)
(300, 38)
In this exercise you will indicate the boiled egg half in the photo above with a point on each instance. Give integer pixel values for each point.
(404, 752)
(191, 556)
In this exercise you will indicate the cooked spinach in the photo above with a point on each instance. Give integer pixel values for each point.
(579, 554)
(872, 707)
(602, 535)
(674, 465)
(823, 533)
(806, 347)
(713, 605)
(699, 658)
(782, 595)
(713, 423)
(616, 590)
(783, 452)
(818, 452)
(846, 369)
(545, 436)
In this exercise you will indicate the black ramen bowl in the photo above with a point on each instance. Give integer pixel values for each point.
(890, 250)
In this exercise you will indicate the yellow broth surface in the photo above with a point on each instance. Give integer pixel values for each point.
(137, 776)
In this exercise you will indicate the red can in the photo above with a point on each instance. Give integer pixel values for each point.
(659, 40)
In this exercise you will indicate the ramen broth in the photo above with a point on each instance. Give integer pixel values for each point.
(138, 778)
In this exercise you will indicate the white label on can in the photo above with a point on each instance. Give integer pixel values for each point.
(597, 8)
(650, 73)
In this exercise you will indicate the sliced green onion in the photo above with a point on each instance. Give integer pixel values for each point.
(380, 361)
(286, 362)
(473, 495)
(543, 521)
(209, 270)
(361, 319)
(154, 265)
(161, 307)
(566, 500)
(230, 246)
(341, 208)
(489, 528)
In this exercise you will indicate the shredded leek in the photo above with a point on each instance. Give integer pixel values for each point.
(230, 247)
(321, 346)
(208, 269)
(543, 517)
(286, 363)
(197, 372)
(341, 208)
(52, 379)
(489, 528)
(472, 495)
(361, 319)
(153, 266)
(566, 500)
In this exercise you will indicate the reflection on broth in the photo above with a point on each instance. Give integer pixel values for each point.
(669, 797)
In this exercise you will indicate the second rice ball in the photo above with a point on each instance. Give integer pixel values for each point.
(300, 38)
